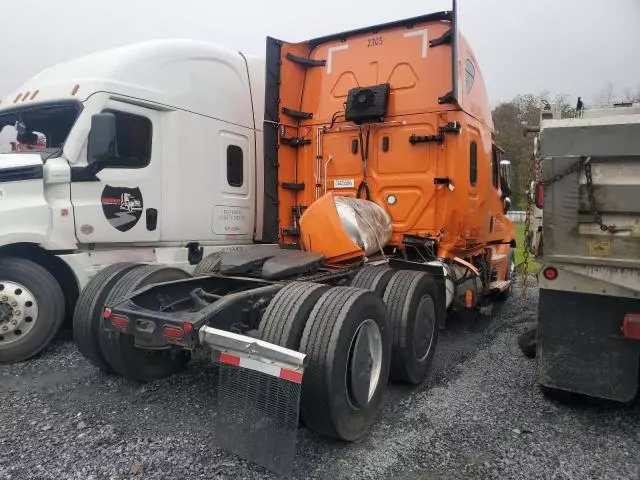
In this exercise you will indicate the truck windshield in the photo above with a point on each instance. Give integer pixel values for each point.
(37, 128)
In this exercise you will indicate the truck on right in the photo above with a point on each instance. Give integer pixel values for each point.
(588, 187)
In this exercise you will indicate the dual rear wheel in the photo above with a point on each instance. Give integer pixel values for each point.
(384, 326)
(110, 350)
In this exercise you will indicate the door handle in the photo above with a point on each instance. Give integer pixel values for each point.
(152, 219)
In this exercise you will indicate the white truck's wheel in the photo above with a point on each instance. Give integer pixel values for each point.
(31, 309)
(209, 264)
(348, 341)
(142, 365)
(87, 317)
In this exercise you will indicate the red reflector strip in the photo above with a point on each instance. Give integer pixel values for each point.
(262, 367)
(119, 321)
(291, 375)
(229, 359)
(631, 326)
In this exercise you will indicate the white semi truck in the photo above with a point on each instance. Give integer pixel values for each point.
(174, 188)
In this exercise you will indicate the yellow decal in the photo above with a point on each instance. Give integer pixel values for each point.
(599, 248)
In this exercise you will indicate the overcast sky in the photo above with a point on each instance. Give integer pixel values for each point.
(572, 47)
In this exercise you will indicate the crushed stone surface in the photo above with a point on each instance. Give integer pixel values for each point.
(481, 415)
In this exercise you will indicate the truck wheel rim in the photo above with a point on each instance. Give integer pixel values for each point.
(18, 312)
(424, 327)
(365, 364)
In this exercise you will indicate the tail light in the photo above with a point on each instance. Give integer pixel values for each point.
(631, 326)
(539, 198)
(172, 332)
(550, 273)
(119, 321)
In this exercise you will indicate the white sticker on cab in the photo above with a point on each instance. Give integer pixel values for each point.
(230, 220)
(344, 183)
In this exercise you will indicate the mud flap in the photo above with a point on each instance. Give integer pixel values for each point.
(258, 401)
(581, 347)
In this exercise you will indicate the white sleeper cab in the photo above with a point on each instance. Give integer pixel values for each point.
(145, 153)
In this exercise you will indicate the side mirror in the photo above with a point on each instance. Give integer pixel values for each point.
(507, 204)
(505, 177)
(102, 139)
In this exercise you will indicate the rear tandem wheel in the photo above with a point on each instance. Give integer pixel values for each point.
(87, 317)
(412, 301)
(143, 365)
(347, 339)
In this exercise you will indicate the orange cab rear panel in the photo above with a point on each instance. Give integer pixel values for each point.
(430, 162)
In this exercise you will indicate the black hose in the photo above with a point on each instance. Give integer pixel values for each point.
(364, 186)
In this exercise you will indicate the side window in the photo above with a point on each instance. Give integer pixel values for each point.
(473, 164)
(470, 74)
(495, 167)
(133, 141)
(235, 170)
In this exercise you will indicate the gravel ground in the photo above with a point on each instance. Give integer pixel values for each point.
(480, 416)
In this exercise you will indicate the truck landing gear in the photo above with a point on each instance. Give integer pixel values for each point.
(31, 309)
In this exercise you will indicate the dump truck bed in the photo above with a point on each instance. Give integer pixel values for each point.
(611, 145)
(589, 308)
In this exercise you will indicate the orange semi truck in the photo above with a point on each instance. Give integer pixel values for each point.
(382, 193)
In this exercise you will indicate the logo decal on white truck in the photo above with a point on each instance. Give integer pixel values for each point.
(122, 207)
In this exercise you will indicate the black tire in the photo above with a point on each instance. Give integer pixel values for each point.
(209, 264)
(284, 320)
(328, 395)
(87, 317)
(527, 340)
(503, 296)
(142, 365)
(50, 303)
(374, 278)
(415, 313)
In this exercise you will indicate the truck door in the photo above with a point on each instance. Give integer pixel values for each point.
(122, 205)
(233, 211)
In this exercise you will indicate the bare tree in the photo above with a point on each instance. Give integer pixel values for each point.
(606, 95)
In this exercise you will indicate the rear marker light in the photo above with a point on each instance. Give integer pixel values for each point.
(188, 328)
(550, 273)
(172, 332)
(119, 321)
(468, 299)
(107, 313)
(631, 326)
